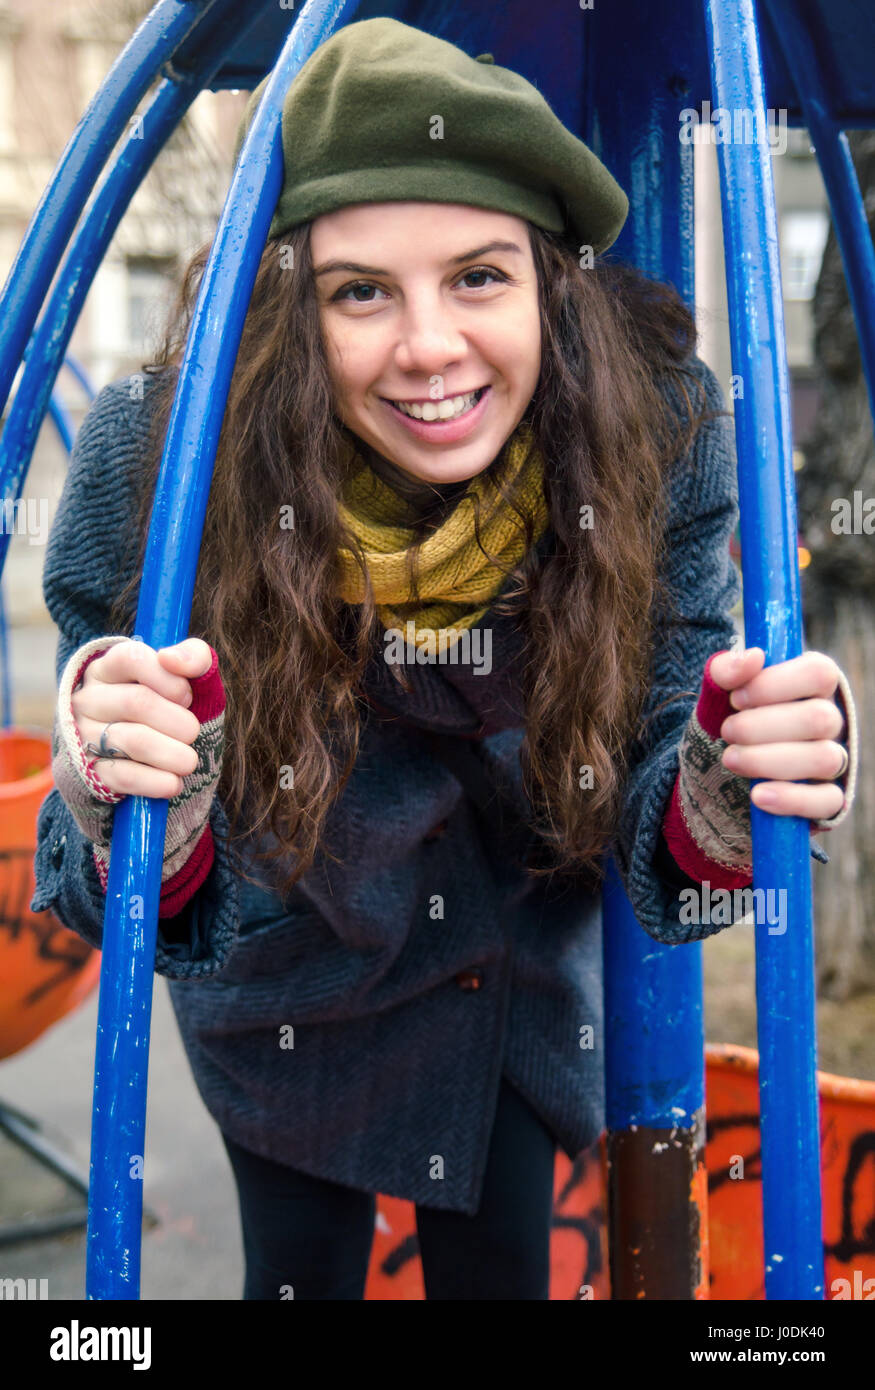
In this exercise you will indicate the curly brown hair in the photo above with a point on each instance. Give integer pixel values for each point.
(292, 655)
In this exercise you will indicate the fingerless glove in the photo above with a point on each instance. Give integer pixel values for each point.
(188, 845)
(707, 823)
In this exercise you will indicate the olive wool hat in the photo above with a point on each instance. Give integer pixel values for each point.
(383, 111)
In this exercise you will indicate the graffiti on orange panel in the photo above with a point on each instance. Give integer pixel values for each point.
(847, 1148)
(578, 1248)
(734, 1172)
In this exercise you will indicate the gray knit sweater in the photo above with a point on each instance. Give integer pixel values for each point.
(427, 964)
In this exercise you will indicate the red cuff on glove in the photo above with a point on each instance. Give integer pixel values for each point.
(712, 708)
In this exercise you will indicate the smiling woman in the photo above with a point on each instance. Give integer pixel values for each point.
(431, 370)
(591, 400)
(452, 419)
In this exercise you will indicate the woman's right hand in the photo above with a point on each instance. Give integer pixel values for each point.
(144, 694)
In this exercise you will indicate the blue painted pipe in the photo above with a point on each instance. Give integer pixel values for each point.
(79, 372)
(60, 418)
(103, 123)
(839, 177)
(62, 421)
(48, 343)
(789, 1119)
(654, 1029)
(163, 614)
(655, 1044)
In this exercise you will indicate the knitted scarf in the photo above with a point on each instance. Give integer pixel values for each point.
(456, 579)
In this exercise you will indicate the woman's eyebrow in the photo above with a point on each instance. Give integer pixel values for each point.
(356, 269)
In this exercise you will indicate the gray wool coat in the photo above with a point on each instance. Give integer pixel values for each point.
(427, 964)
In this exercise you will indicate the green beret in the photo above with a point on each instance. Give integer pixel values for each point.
(384, 111)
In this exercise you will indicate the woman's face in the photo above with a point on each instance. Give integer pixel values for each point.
(422, 303)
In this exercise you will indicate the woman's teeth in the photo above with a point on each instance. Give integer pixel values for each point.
(447, 409)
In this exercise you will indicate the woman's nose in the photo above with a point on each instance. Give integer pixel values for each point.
(429, 337)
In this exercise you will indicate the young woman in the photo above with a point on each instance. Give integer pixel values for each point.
(465, 585)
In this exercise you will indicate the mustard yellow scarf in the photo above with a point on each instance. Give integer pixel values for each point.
(456, 580)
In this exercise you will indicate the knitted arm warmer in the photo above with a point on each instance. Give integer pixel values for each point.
(188, 846)
(707, 823)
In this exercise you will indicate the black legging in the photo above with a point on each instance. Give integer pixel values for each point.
(315, 1236)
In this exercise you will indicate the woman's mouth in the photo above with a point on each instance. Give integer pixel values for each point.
(442, 421)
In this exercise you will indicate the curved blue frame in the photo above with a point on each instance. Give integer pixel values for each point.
(638, 970)
(163, 613)
(839, 177)
(63, 423)
(89, 147)
(653, 1006)
(78, 371)
(48, 343)
(785, 982)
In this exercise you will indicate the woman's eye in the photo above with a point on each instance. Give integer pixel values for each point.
(359, 285)
(495, 275)
(362, 288)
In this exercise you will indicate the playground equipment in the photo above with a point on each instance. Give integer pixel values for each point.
(579, 1251)
(45, 969)
(623, 87)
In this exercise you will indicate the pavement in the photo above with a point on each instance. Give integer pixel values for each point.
(194, 1250)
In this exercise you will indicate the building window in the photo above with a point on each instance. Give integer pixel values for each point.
(803, 238)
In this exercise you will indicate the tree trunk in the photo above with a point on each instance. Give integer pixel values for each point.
(837, 590)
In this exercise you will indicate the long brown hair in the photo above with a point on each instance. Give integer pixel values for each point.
(292, 655)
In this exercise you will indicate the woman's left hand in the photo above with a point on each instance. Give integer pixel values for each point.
(785, 730)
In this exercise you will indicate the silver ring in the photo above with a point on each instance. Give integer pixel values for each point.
(104, 751)
(846, 758)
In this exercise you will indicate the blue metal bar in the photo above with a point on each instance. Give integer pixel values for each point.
(62, 422)
(786, 1026)
(655, 1033)
(839, 177)
(79, 372)
(154, 41)
(49, 341)
(163, 614)
(654, 1030)
(60, 417)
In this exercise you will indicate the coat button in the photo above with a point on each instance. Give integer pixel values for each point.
(470, 979)
(57, 852)
(436, 831)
